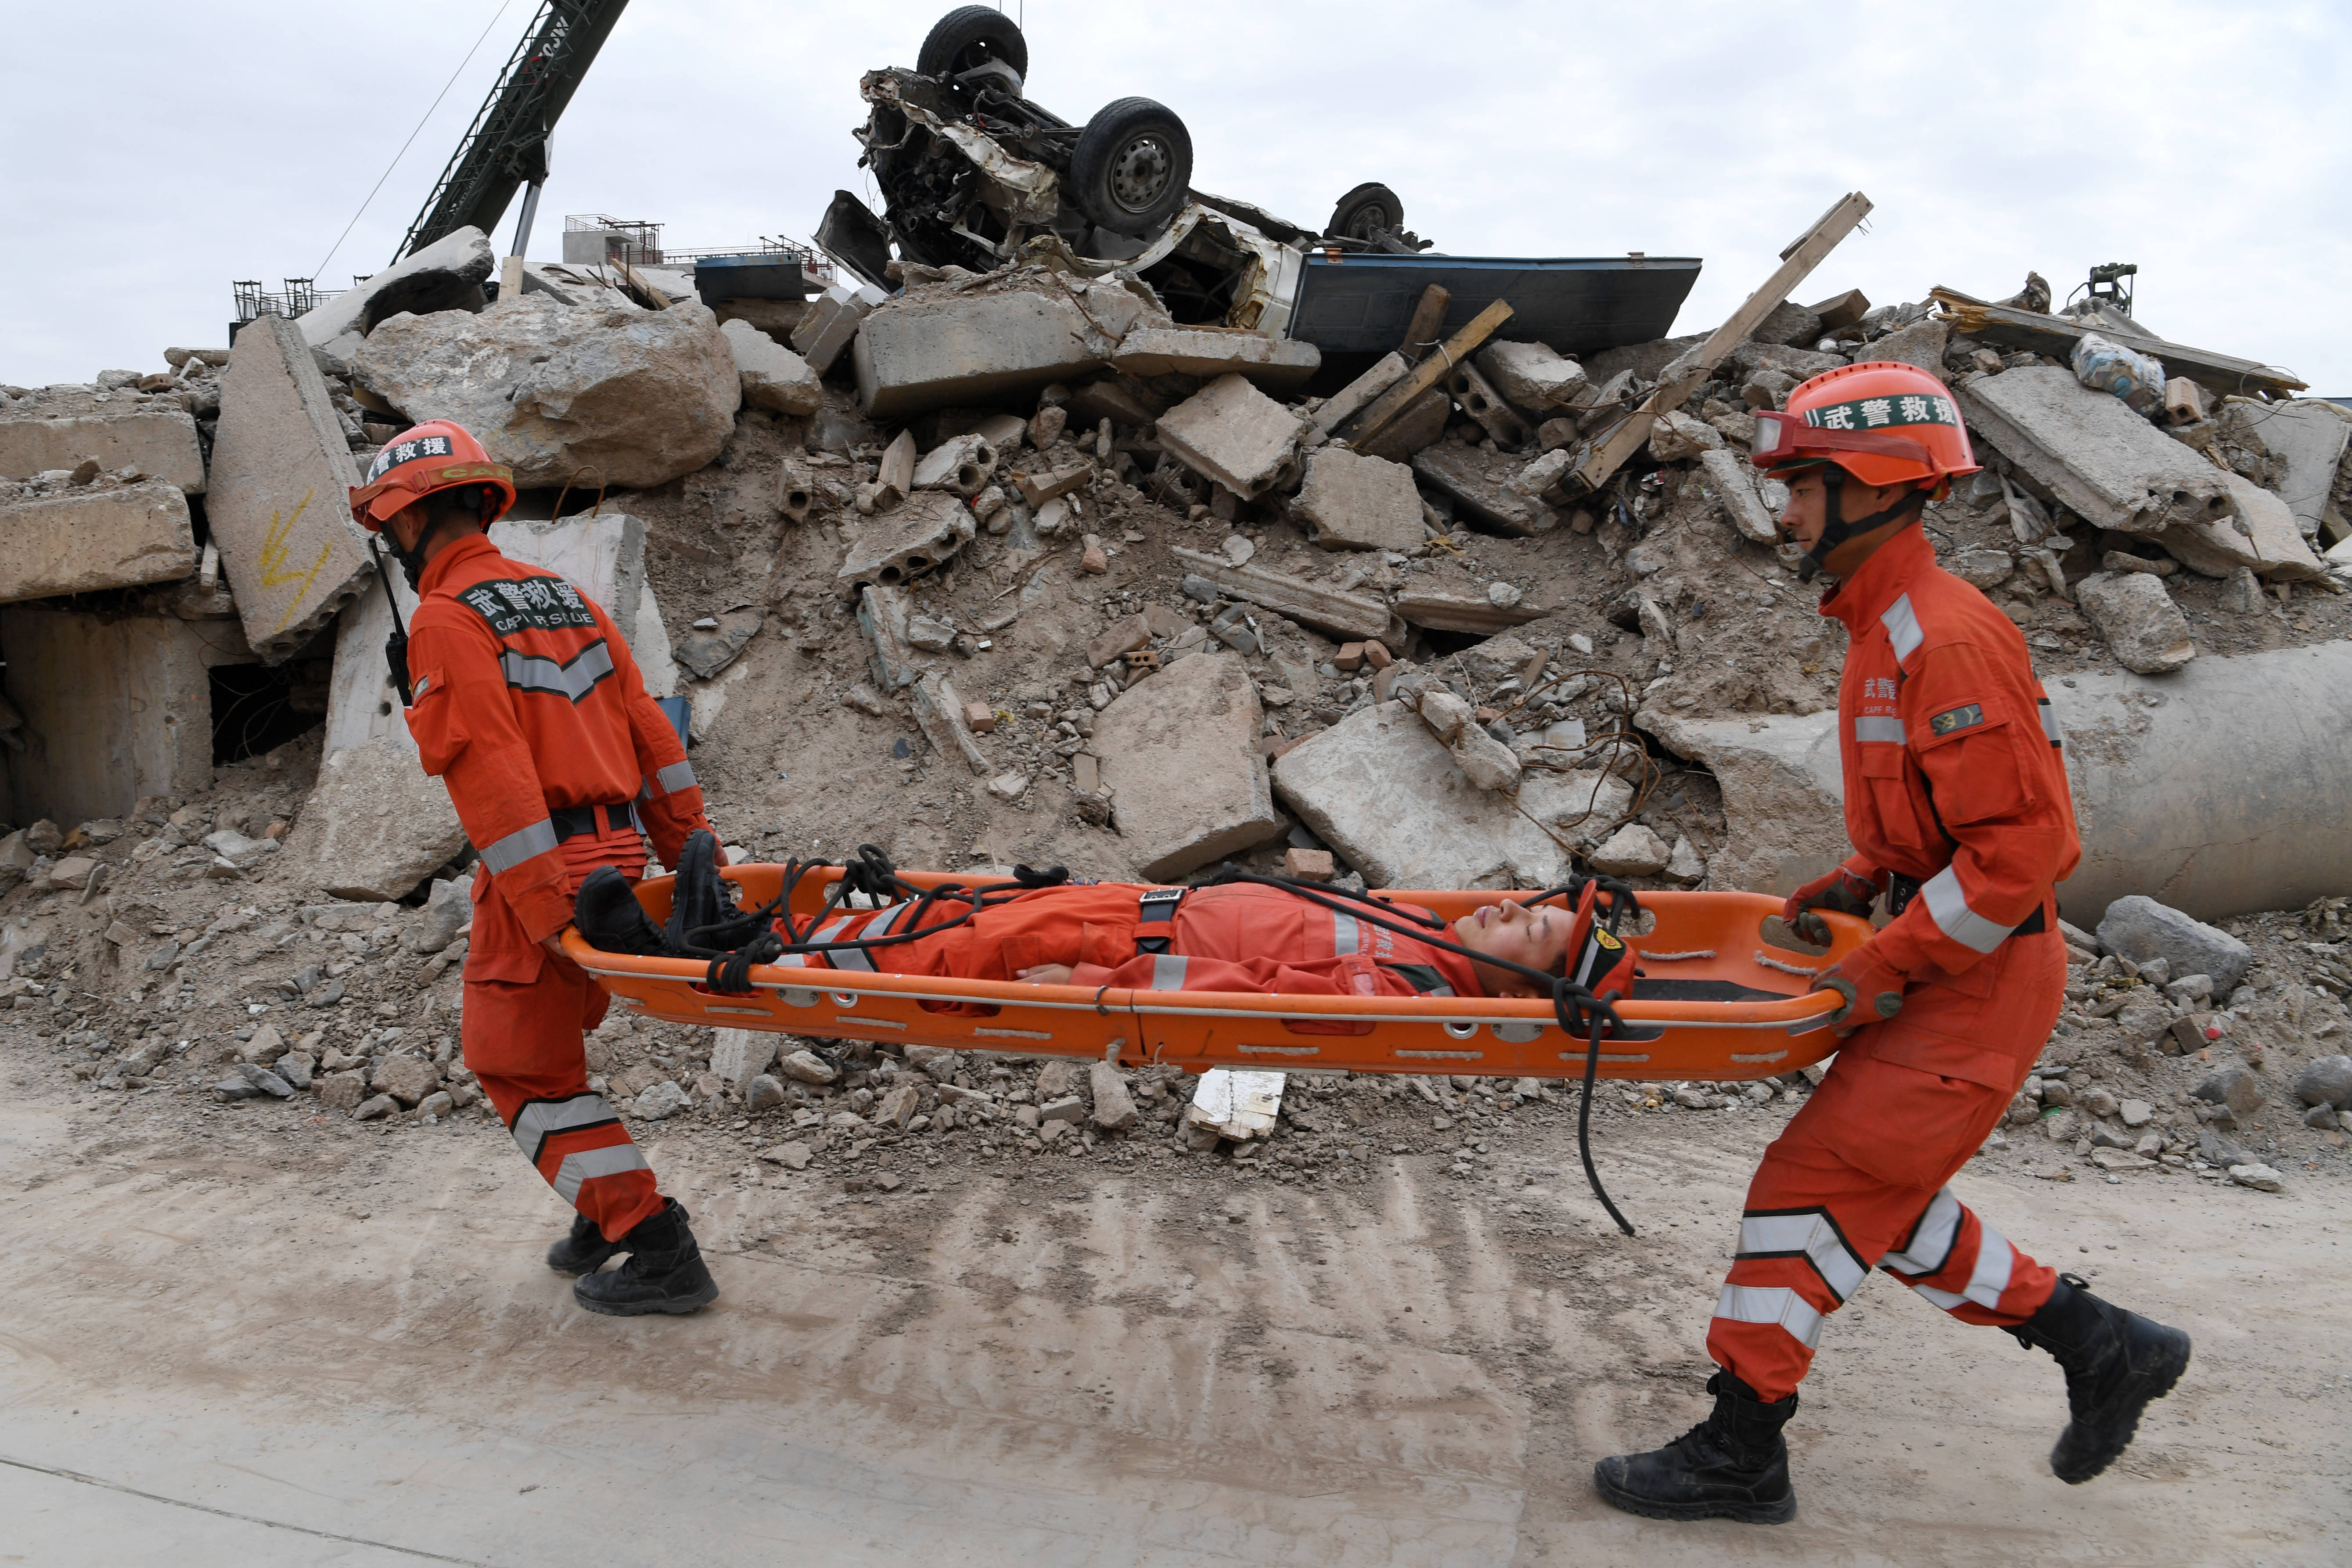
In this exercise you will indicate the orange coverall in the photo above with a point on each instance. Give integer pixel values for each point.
(530, 707)
(1955, 779)
(1240, 937)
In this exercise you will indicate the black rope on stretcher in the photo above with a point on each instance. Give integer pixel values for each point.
(1577, 1010)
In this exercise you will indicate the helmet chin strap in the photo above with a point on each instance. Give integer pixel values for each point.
(1835, 529)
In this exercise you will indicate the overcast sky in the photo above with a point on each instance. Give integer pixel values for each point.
(160, 151)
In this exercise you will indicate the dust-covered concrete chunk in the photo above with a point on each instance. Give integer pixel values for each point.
(447, 274)
(2092, 452)
(928, 528)
(2140, 929)
(1357, 502)
(1178, 753)
(279, 500)
(1231, 432)
(2144, 627)
(931, 348)
(98, 536)
(159, 443)
(772, 376)
(1280, 365)
(2261, 536)
(644, 396)
(1387, 795)
(374, 826)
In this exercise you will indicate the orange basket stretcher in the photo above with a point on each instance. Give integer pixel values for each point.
(1701, 948)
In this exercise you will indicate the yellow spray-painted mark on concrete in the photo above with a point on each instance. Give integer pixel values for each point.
(273, 559)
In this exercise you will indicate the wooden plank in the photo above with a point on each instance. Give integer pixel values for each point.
(1352, 617)
(1427, 316)
(1460, 613)
(2056, 336)
(1428, 372)
(1618, 443)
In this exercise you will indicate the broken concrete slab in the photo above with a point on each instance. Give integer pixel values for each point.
(1736, 481)
(1782, 793)
(1460, 613)
(2309, 437)
(937, 346)
(1280, 366)
(2092, 452)
(278, 501)
(1232, 432)
(2261, 536)
(1386, 794)
(374, 826)
(113, 708)
(639, 397)
(1921, 344)
(1355, 502)
(939, 713)
(705, 651)
(1353, 618)
(771, 375)
(447, 274)
(1179, 751)
(2142, 626)
(928, 528)
(739, 1056)
(1789, 322)
(1534, 376)
(829, 325)
(86, 538)
(1634, 850)
(1479, 481)
(157, 443)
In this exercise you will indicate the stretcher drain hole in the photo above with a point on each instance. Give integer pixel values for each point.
(1461, 1031)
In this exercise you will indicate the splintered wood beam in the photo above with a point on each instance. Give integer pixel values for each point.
(1607, 454)
(1428, 372)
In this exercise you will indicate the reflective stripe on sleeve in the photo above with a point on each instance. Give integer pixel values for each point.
(1878, 729)
(1772, 1304)
(1902, 628)
(527, 672)
(1808, 1235)
(1168, 971)
(1987, 1280)
(537, 1121)
(1948, 908)
(2050, 724)
(1347, 934)
(589, 1163)
(519, 845)
(674, 777)
(1930, 1244)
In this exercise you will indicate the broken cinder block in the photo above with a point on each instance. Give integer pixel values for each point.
(1232, 432)
(1355, 502)
(2092, 452)
(929, 526)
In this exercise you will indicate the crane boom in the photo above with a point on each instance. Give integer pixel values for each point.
(507, 144)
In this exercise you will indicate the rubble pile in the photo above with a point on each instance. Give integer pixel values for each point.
(1013, 566)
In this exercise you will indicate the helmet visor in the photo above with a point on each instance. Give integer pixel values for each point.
(1783, 440)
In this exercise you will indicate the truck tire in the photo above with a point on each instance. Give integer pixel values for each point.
(1369, 207)
(972, 36)
(1132, 168)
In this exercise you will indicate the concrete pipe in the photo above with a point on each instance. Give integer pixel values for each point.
(2219, 789)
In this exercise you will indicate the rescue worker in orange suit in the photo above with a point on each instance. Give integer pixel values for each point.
(1231, 937)
(1957, 804)
(524, 699)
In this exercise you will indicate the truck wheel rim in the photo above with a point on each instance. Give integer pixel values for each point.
(1138, 175)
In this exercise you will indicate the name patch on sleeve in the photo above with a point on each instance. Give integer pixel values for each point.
(1953, 718)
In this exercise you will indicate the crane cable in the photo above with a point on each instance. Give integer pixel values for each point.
(396, 157)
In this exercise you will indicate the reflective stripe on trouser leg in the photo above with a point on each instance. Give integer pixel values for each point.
(1793, 1267)
(524, 1043)
(1981, 1277)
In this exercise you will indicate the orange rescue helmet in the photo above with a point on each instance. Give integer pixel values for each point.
(1882, 422)
(438, 455)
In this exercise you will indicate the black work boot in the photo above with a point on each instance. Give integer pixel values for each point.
(583, 1251)
(2116, 1362)
(663, 1273)
(1732, 1465)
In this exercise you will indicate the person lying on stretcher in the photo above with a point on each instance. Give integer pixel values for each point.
(1235, 937)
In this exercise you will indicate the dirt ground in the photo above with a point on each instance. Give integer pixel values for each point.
(226, 1344)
